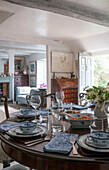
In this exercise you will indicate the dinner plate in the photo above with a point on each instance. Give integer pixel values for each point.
(20, 115)
(13, 132)
(82, 142)
(90, 143)
(19, 132)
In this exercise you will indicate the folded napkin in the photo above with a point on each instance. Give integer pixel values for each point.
(6, 127)
(79, 107)
(60, 143)
(45, 112)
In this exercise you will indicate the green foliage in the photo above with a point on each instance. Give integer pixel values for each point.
(101, 64)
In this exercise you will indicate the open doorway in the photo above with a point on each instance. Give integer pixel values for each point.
(101, 70)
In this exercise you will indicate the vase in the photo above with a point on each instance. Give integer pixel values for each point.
(101, 122)
(99, 112)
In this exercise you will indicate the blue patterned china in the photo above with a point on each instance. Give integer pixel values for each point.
(15, 131)
(99, 138)
(27, 127)
(82, 143)
(26, 111)
(20, 132)
(77, 121)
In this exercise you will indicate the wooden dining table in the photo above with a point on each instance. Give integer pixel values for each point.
(35, 157)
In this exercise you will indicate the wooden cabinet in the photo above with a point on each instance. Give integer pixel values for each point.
(68, 86)
(20, 80)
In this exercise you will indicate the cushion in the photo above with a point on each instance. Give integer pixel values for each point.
(24, 90)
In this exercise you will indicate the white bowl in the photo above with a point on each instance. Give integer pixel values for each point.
(27, 127)
(80, 123)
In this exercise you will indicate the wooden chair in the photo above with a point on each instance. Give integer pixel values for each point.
(43, 98)
(5, 159)
(82, 99)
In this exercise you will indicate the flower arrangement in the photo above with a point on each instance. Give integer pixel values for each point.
(97, 95)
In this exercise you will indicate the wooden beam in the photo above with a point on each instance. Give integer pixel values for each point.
(67, 8)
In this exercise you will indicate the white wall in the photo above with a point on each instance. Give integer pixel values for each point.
(34, 57)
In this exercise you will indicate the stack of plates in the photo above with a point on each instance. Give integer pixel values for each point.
(89, 145)
(30, 114)
(16, 132)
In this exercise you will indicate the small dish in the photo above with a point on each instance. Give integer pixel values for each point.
(27, 127)
(19, 132)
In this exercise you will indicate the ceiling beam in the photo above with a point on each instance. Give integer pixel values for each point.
(67, 8)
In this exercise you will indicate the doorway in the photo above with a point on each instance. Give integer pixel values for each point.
(86, 71)
(101, 70)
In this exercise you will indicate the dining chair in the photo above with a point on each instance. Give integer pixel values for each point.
(82, 98)
(43, 99)
(4, 158)
(52, 96)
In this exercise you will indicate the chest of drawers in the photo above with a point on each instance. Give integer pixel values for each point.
(68, 86)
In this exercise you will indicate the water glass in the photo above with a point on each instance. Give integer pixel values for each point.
(59, 97)
(56, 124)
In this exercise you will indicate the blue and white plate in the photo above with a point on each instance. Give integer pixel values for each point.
(19, 132)
(30, 114)
(13, 132)
(82, 143)
(91, 143)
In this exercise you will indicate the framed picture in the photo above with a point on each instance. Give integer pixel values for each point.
(62, 62)
(32, 67)
(32, 81)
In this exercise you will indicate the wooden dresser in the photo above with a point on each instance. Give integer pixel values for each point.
(68, 86)
(20, 80)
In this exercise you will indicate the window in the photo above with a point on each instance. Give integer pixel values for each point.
(41, 73)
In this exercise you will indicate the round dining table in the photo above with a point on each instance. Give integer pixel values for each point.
(36, 158)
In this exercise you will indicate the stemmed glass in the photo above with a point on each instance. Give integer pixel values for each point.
(35, 101)
(59, 97)
(106, 110)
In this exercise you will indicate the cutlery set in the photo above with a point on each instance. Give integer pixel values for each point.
(37, 141)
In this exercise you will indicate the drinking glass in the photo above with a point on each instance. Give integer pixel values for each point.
(106, 110)
(59, 97)
(35, 101)
(56, 124)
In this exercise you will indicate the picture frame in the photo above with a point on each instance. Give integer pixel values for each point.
(61, 62)
(32, 67)
(32, 81)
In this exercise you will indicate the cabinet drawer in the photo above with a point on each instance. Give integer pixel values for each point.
(69, 96)
(70, 90)
(74, 100)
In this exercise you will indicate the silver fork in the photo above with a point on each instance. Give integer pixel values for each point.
(34, 142)
(72, 140)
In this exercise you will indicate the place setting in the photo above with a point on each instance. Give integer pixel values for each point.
(95, 143)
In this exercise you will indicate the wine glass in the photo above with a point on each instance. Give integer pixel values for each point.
(35, 101)
(106, 110)
(59, 97)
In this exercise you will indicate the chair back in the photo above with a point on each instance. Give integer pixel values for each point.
(4, 99)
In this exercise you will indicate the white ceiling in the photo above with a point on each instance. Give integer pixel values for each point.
(29, 24)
